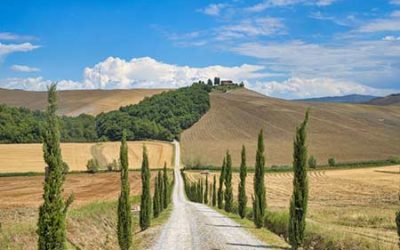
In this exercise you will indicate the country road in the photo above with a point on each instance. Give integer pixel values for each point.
(196, 226)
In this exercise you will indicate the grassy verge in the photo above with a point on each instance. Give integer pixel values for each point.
(272, 240)
(92, 226)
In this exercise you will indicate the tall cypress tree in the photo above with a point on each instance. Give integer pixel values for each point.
(206, 192)
(242, 198)
(228, 184)
(166, 186)
(214, 192)
(160, 191)
(156, 198)
(124, 225)
(259, 202)
(145, 199)
(299, 200)
(53, 211)
(221, 186)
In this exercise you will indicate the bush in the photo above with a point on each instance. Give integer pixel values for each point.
(331, 162)
(92, 166)
(277, 222)
(394, 159)
(114, 166)
(312, 162)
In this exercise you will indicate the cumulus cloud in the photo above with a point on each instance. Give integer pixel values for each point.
(148, 72)
(297, 88)
(36, 83)
(7, 36)
(6, 49)
(214, 9)
(24, 68)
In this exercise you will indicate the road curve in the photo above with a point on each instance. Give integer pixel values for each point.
(196, 226)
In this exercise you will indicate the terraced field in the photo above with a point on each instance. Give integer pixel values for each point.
(29, 157)
(358, 202)
(347, 132)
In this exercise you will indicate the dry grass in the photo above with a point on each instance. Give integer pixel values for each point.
(347, 132)
(29, 157)
(357, 202)
(76, 102)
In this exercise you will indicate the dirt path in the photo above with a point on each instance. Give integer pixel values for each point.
(196, 226)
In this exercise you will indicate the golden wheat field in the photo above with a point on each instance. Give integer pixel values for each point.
(29, 157)
(76, 102)
(356, 202)
(347, 132)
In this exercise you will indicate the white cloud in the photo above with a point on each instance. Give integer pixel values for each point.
(297, 87)
(36, 83)
(149, 73)
(214, 9)
(23, 68)
(7, 36)
(282, 3)
(264, 26)
(391, 23)
(6, 49)
(391, 38)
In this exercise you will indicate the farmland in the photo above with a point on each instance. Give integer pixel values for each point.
(29, 157)
(347, 132)
(356, 203)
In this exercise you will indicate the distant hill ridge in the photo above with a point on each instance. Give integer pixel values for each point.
(353, 98)
(393, 99)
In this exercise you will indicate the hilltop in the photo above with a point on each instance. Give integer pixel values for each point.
(347, 132)
(76, 102)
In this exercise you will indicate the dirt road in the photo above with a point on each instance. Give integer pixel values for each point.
(196, 226)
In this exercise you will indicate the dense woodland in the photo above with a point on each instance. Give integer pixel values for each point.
(161, 117)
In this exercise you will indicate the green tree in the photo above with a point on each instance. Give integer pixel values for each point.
(206, 192)
(312, 162)
(156, 198)
(331, 162)
(160, 191)
(166, 186)
(145, 199)
(221, 186)
(214, 192)
(242, 198)
(228, 184)
(299, 200)
(124, 225)
(53, 211)
(259, 202)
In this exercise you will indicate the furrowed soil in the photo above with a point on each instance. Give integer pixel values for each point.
(355, 203)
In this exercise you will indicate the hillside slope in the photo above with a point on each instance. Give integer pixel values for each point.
(393, 99)
(341, 99)
(348, 132)
(76, 102)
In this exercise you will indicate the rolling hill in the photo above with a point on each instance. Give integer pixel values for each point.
(341, 99)
(76, 102)
(393, 99)
(347, 132)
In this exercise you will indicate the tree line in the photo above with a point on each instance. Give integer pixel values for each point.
(51, 226)
(223, 196)
(162, 116)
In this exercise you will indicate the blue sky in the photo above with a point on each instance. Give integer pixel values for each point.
(282, 48)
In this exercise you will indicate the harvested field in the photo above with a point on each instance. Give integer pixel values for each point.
(357, 202)
(76, 102)
(347, 132)
(29, 157)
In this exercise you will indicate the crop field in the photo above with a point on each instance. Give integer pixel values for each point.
(347, 132)
(357, 202)
(29, 157)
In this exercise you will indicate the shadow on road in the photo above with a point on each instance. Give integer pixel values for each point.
(256, 246)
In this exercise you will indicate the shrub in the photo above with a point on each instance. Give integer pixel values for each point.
(312, 162)
(92, 166)
(394, 159)
(331, 162)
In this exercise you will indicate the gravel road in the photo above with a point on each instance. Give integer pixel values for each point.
(196, 226)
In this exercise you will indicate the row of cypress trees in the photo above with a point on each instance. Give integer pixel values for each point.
(161, 192)
(223, 197)
(51, 227)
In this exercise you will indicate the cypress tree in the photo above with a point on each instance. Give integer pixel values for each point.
(221, 186)
(206, 192)
(242, 198)
(201, 191)
(156, 198)
(160, 191)
(397, 219)
(145, 199)
(166, 186)
(299, 200)
(214, 192)
(259, 202)
(124, 225)
(52, 213)
(228, 184)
